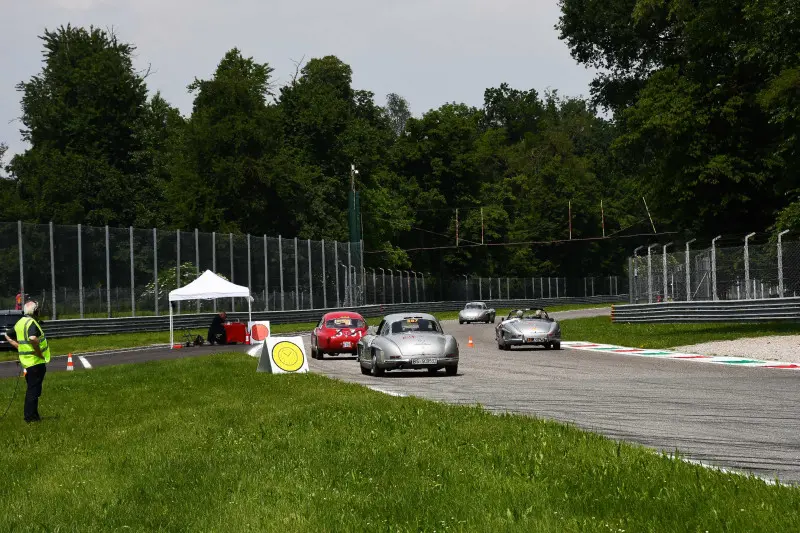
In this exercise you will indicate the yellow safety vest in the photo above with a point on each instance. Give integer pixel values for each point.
(27, 355)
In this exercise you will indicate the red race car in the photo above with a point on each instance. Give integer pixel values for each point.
(337, 332)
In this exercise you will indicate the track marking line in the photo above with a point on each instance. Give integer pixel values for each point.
(668, 354)
(390, 393)
(84, 362)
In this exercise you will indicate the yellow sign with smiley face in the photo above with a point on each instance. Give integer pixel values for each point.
(283, 355)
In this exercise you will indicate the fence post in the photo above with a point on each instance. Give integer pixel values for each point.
(178, 266)
(108, 275)
(363, 273)
(249, 268)
(592, 286)
(780, 263)
(349, 295)
(214, 261)
(310, 278)
(52, 272)
(336, 265)
(80, 270)
(664, 273)
(230, 241)
(133, 283)
(296, 278)
(266, 276)
(499, 289)
(490, 288)
(714, 267)
(155, 268)
(688, 273)
(21, 263)
(324, 280)
(649, 274)
(280, 269)
(747, 266)
(197, 257)
(556, 287)
(424, 298)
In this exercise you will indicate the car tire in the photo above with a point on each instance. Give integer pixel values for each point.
(365, 371)
(556, 345)
(433, 370)
(375, 369)
(313, 352)
(460, 321)
(451, 370)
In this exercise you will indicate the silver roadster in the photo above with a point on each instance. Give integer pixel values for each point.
(528, 327)
(476, 312)
(407, 341)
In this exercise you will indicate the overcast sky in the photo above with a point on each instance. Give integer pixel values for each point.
(431, 52)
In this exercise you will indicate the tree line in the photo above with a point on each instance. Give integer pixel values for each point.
(691, 127)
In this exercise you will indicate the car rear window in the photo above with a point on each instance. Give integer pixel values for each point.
(344, 322)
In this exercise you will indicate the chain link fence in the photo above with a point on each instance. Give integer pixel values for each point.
(96, 272)
(744, 272)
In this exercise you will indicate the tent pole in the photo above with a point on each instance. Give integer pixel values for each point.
(171, 336)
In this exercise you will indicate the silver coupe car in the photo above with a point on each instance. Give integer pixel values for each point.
(476, 312)
(407, 341)
(528, 327)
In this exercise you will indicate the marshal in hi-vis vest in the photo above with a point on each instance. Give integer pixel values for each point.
(27, 355)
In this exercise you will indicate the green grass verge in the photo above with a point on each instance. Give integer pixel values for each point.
(96, 343)
(208, 444)
(453, 315)
(601, 329)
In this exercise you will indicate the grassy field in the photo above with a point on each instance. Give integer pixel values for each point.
(601, 329)
(208, 444)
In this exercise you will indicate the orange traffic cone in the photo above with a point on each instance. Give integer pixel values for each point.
(69, 363)
(470, 343)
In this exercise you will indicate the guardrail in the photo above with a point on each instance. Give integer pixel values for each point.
(104, 326)
(766, 310)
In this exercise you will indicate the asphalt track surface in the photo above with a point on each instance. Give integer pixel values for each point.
(740, 418)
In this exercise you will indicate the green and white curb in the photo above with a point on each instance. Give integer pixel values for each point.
(668, 354)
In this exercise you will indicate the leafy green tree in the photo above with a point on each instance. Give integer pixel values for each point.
(224, 179)
(398, 112)
(82, 116)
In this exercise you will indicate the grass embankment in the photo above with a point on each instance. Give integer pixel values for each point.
(602, 330)
(208, 444)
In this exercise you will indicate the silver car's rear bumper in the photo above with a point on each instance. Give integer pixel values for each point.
(413, 363)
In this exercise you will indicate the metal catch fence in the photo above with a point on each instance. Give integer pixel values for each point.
(744, 272)
(103, 272)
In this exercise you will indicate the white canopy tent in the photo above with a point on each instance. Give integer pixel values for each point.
(208, 286)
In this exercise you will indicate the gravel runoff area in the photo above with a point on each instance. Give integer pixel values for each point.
(776, 348)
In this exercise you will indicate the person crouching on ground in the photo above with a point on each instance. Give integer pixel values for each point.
(216, 332)
(34, 354)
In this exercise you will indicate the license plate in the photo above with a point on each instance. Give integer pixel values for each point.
(535, 339)
(425, 361)
(347, 345)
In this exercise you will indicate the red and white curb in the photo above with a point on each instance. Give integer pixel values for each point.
(668, 354)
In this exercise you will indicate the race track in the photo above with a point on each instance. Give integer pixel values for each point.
(740, 418)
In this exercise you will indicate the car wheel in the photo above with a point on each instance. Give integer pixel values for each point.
(460, 321)
(313, 351)
(364, 371)
(376, 371)
(451, 370)
(433, 370)
(556, 345)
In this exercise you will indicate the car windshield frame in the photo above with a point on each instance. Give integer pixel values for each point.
(529, 314)
(403, 330)
(355, 323)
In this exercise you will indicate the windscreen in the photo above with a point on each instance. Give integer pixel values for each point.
(474, 306)
(416, 325)
(344, 322)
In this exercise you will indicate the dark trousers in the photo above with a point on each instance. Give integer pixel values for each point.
(217, 336)
(34, 379)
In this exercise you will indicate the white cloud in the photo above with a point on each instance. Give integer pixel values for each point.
(429, 51)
